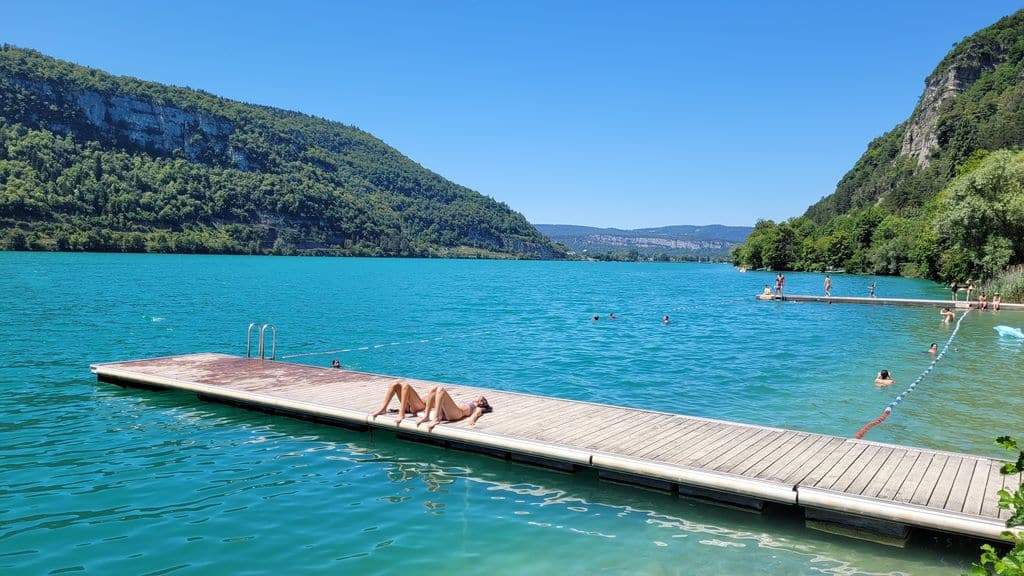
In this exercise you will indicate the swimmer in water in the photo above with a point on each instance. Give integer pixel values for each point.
(611, 316)
(884, 378)
(947, 315)
(596, 317)
(933, 348)
(665, 319)
(335, 363)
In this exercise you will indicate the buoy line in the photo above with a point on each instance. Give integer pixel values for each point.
(888, 409)
(386, 344)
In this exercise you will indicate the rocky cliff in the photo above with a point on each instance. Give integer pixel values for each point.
(973, 101)
(920, 140)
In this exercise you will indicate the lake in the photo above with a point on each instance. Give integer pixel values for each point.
(98, 479)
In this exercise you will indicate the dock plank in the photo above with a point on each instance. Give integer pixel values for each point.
(728, 461)
(885, 472)
(799, 467)
(976, 490)
(926, 485)
(783, 450)
(700, 446)
(990, 499)
(904, 469)
(940, 494)
(866, 474)
(750, 460)
(841, 466)
(958, 490)
(663, 440)
(737, 440)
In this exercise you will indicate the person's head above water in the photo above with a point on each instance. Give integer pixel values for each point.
(335, 363)
(933, 348)
(884, 375)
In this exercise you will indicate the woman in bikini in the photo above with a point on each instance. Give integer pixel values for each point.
(443, 408)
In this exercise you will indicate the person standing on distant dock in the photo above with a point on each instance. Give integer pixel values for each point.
(970, 289)
(954, 288)
(780, 280)
(828, 286)
(871, 290)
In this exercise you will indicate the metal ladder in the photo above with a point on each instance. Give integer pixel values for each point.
(262, 331)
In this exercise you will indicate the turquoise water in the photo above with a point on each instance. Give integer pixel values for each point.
(101, 480)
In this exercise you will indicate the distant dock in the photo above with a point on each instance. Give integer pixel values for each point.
(881, 489)
(958, 304)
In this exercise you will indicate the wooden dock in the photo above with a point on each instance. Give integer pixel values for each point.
(958, 304)
(886, 488)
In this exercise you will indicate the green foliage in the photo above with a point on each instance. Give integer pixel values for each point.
(1009, 284)
(225, 177)
(980, 228)
(1012, 562)
(960, 216)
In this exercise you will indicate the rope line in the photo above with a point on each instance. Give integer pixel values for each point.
(902, 396)
(386, 344)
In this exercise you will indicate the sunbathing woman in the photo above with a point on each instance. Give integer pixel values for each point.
(447, 410)
(409, 402)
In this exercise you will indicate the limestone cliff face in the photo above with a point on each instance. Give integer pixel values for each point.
(921, 136)
(160, 128)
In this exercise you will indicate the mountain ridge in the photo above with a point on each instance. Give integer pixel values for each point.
(939, 196)
(92, 161)
(714, 240)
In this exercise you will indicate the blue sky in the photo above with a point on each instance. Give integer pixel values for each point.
(624, 114)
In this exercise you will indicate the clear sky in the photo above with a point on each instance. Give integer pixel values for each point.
(624, 114)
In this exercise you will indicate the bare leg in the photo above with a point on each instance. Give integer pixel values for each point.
(393, 390)
(429, 405)
(411, 402)
(447, 409)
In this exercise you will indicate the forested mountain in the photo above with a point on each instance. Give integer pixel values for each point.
(934, 197)
(713, 241)
(91, 161)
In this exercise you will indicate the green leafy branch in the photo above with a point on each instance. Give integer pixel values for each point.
(1012, 563)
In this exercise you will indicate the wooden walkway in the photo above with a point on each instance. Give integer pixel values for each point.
(943, 491)
(959, 304)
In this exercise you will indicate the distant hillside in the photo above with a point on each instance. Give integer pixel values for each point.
(939, 196)
(713, 241)
(972, 101)
(90, 161)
